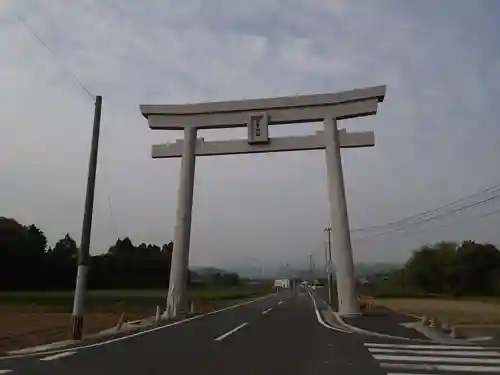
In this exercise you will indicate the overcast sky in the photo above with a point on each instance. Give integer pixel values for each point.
(437, 132)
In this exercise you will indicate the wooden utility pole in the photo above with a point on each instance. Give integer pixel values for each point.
(84, 251)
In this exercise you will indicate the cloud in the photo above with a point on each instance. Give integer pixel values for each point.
(437, 134)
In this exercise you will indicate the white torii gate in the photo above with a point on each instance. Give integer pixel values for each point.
(257, 115)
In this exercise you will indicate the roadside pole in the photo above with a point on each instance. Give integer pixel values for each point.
(84, 251)
(329, 269)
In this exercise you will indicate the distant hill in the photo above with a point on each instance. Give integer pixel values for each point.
(362, 269)
(368, 269)
(207, 271)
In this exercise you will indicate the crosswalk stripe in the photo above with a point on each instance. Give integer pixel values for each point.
(430, 346)
(416, 358)
(455, 368)
(458, 353)
(423, 359)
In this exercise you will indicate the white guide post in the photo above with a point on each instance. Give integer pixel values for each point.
(177, 298)
(341, 238)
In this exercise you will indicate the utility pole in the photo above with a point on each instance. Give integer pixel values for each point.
(329, 266)
(84, 252)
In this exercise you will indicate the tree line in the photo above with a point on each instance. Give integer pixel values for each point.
(28, 263)
(445, 268)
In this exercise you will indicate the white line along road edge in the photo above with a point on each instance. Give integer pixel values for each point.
(57, 356)
(320, 320)
(136, 334)
(223, 336)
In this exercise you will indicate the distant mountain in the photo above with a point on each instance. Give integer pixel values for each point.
(207, 271)
(368, 269)
(362, 269)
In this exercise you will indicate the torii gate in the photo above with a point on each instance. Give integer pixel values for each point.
(257, 115)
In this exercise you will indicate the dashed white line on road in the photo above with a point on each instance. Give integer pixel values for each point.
(223, 336)
(280, 302)
(57, 356)
(266, 311)
(4, 371)
(37, 353)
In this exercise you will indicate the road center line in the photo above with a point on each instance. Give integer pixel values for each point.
(223, 336)
(57, 356)
(266, 311)
(280, 302)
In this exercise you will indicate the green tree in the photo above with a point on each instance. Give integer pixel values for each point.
(65, 248)
(18, 240)
(478, 266)
(36, 241)
(430, 269)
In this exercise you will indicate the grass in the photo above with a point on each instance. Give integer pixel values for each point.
(106, 300)
(478, 310)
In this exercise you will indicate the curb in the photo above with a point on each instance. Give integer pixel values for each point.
(42, 348)
(371, 333)
(322, 320)
(361, 331)
(435, 335)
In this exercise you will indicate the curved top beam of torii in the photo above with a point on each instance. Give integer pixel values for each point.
(282, 110)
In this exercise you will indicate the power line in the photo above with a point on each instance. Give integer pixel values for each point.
(422, 215)
(485, 215)
(405, 226)
(75, 78)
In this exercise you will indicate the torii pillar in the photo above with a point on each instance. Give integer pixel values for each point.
(257, 115)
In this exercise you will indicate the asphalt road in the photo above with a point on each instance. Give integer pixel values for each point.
(279, 334)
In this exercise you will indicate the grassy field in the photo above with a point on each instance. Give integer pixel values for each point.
(478, 310)
(101, 300)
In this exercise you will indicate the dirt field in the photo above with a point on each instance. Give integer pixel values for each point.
(448, 310)
(19, 330)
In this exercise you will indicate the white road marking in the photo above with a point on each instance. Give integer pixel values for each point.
(436, 359)
(57, 356)
(4, 371)
(458, 368)
(458, 353)
(450, 358)
(320, 319)
(266, 311)
(280, 302)
(136, 334)
(223, 336)
(461, 347)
